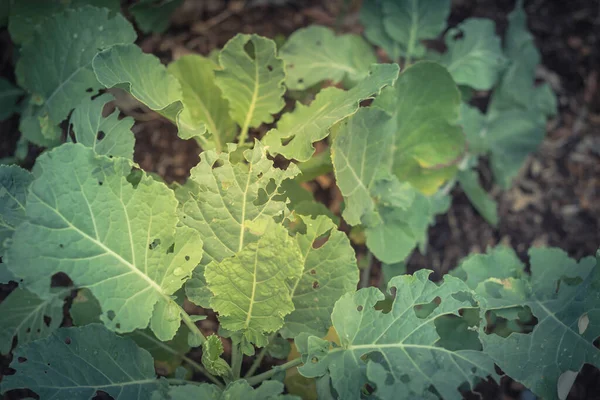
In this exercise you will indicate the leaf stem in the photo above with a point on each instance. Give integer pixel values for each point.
(255, 380)
(365, 275)
(236, 361)
(203, 371)
(187, 320)
(259, 358)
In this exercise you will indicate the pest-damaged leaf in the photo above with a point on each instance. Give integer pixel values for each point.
(203, 100)
(122, 242)
(371, 16)
(474, 56)
(74, 363)
(154, 15)
(9, 95)
(398, 352)
(212, 349)
(251, 290)
(315, 54)
(109, 135)
(226, 196)
(329, 271)
(26, 316)
(56, 63)
(251, 80)
(298, 130)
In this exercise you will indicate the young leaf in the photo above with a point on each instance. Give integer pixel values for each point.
(559, 292)
(315, 54)
(397, 351)
(154, 15)
(251, 290)
(408, 22)
(212, 349)
(329, 271)
(252, 80)
(483, 203)
(203, 99)
(74, 363)
(86, 220)
(226, 197)
(26, 316)
(9, 95)
(58, 76)
(474, 56)
(109, 135)
(298, 130)
(371, 16)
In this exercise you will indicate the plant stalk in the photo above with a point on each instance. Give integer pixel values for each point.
(185, 317)
(365, 275)
(259, 358)
(203, 371)
(236, 361)
(255, 380)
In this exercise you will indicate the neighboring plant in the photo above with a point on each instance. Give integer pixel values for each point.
(243, 238)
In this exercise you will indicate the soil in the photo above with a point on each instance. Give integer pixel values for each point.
(555, 201)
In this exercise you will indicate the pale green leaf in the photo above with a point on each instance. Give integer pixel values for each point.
(154, 15)
(26, 16)
(397, 351)
(371, 16)
(499, 263)
(23, 314)
(329, 271)
(56, 64)
(212, 349)
(298, 130)
(226, 196)
(474, 56)
(251, 79)
(9, 95)
(203, 99)
(408, 22)
(315, 54)
(252, 290)
(109, 135)
(481, 200)
(86, 220)
(74, 363)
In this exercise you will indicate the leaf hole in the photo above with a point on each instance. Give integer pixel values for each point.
(404, 378)
(315, 285)
(313, 272)
(21, 360)
(424, 310)
(118, 325)
(321, 240)
(100, 135)
(28, 330)
(67, 340)
(110, 314)
(249, 49)
(100, 183)
(314, 360)
(318, 43)
(218, 164)
(47, 320)
(359, 308)
(154, 244)
(300, 80)
(171, 249)
(287, 140)
(270, 68)
(62, 246)
(290, 66)
(187, 258)
(89, 90)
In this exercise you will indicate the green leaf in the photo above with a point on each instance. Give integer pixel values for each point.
(270, 390)
(27, 16)
(398, 352)
(474, 56)
(315, 54)
(212, 349)
(9, 95)
(23, 314)
(204, 391)
(74, 363)
(154, 15)
(408, 22)
(226, 197)
(559, 292)
(36, 127)
(483, 203)
(251, 80)
(60, 76)
(298, 130)
(132, 258)
(371, 16)
(203, 100)
(425, 104)
(109, 135)
(329, 271)
(251, 290)
(499, 263)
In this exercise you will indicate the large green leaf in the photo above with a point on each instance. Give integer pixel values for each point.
(474, 56)
(251, 79)
(399, 351)
(203, 100)
(56, 64)
(154, 15)
(371, 16)
(270, 390)
(109, 135)
(75, 363)
(85, 219)
(26, 316)
(251, 290)
(329, 271)
(298, 130)
(315, 54)
(408, 22)
(226, 197)
(559, 293)
(9, 95)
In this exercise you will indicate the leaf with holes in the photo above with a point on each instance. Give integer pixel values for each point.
(121, 241)
(251, 80)
(109, 135)
(397, 351)
(251, 290)
(59, 76)
(297, 131)
(315, 54)
(226, 196)
(75, 363)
